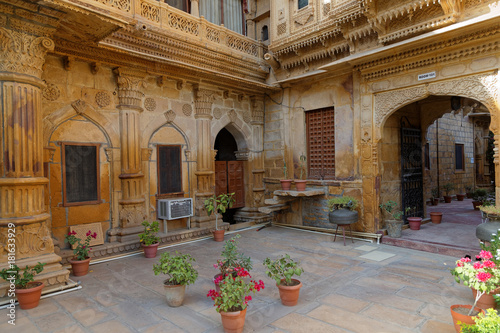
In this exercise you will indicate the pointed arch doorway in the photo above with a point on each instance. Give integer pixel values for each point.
(229, 172)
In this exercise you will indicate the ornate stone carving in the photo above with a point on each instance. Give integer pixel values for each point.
(109, 154)
(102, 99)
(130, 83)
(150, 104)
(132, 215)
(51, 92)
(217, 113)
(232, 115)
(95, 67)
(257, 106)
(247, 116)
(34, 239)
(387, 102)
(187, 109)
(304, 15)
(80, 106)
(169, 116)
(281, 28)
(146, 153)
(22, 53)
(203, 102)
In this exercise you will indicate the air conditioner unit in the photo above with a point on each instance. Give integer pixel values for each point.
(172, 209)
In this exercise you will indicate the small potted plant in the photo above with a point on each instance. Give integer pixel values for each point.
(149, 240)
(468, 191)
(81, 259)
(478, 196)
(300, 183)
(218, 205)
(448, 187)
(180, 273)
(394, 223)
(435, 196)
(460, 195)
(413, 221)
(482, 275)
(27, 291)
(282, 270)
(232, 259)
(484, 323)
(232, 299)
(286, 183)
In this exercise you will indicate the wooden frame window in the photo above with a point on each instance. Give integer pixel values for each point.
(81, 176)
(320, 125)
(169, 169)
(459, 157)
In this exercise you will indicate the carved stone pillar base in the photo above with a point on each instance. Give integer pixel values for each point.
(125, 234)
(249, 214)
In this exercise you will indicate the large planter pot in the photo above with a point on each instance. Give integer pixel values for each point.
(447, 198)
(233, 322)
(476, 204)
(150, 250)
(460, 197)
(486, 301)
(29, 298)
(414, 222)
(394, 228)
(79, 267)
(436, 217)
(289, 294)
(464, 318)
(300, 185)
(286, 184)
(218, 235)
(343, 216)
(175, 294)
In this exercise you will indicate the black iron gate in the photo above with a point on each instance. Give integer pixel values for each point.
(411, 170)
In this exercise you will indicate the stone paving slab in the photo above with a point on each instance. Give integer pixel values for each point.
(343, 291)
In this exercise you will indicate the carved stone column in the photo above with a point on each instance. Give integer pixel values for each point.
(22, 183)
(132, 209)
(205, 155)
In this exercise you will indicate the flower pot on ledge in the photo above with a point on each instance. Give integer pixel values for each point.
(436, 217)
(459, 313)
(218, 235)
(150, 250)
(286, 184)
(300, 184)
(460, 197)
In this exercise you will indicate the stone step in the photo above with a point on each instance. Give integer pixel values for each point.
(273, 208)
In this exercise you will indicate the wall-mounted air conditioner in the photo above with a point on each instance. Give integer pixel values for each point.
(171, 209)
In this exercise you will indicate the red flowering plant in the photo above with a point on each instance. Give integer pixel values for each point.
(482, 275)
(235, 291)
(82, 249)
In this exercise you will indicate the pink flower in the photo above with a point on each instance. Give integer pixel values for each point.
(460, 264)
(216, 266)
(94, 235)
(489, 264)
(485, 255)
(477, 265)
(248, 298)
(88, 233)
(483, 276)
(465, 260)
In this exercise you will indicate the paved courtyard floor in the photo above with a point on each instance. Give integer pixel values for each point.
(361, 287)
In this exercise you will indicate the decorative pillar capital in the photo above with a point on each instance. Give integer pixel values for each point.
(23, 53)
(130, 82)
(203, 99)
(257, 107)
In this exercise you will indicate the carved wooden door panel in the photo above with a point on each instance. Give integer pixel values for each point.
(220, 177)
(236, 182)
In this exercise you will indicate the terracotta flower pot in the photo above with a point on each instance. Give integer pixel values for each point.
(486, 301)
(415, 222)
(79, 267)
(174, 294)
(464, 318)
(289, 294)
(218, 235)
(150, 250)
(476, 204)
(233, 322)
(436, 217)
(460, 197)
(29, 298)
(447, 198)
(300, 185)
(286, 184)
(435, 201)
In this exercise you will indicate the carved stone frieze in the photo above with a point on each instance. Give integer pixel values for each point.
(217, 113)
(33, 239)
(51, 92)
(187, 109)
(23, 53)
(150, 104)
(169, 116)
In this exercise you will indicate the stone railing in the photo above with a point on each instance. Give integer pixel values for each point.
(169, 18)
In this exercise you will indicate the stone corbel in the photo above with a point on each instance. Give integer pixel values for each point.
(161, 81)
(68, 62)
(109, 154)
(80, 106)
(241, 97)
(146, 153)
(179, 84)
(225, 94)
(49, 154)
(95, 67)
(271, 60)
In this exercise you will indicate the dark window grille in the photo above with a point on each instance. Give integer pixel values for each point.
(459, 157)
(80, 174)
(321, 143)
(169, 170)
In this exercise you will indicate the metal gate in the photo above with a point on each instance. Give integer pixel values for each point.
(411, 170)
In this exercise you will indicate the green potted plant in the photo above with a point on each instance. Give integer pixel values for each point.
(482, 275)
(448, 187)
(232, 299)
(149, 240)
(282, 270)
(484, 323)
(27, 291)
(342, 213)
(300, 183)
(460, 195)
(286, 183)
(394, 223)
(478, 196)
(468, 191)
(413, 221)
(180, 273)
(232, 258)
(218, 205)
(81, 259)
(435, 196)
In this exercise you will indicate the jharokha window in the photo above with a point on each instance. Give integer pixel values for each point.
(321, 143)
(231, 13)
(80, 174)
(169, 170)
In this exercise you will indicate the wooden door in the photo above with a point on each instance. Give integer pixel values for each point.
(235, 182)
(220, 177)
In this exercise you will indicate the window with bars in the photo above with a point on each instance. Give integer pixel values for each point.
(321, 143)
(80, 174)
(169, 169)
(459, 157)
